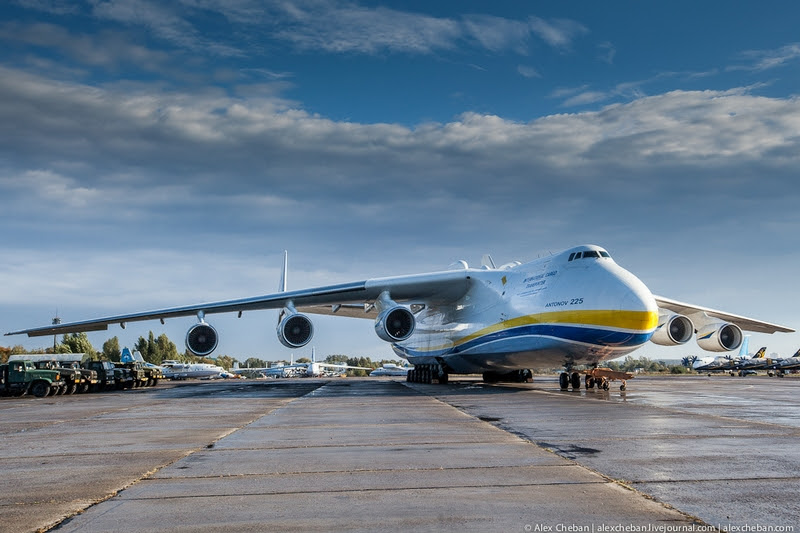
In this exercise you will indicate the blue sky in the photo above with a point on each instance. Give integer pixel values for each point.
(163, 153)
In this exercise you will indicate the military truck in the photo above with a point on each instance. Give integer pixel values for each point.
(73, 379)
(154, 374)
(89, 376)
(21, 377)
(106, 374)
(143, 375)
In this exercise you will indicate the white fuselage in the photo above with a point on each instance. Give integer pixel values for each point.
(544, 314)
(391, 370)
(177, 370)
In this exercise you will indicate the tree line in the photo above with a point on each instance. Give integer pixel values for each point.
(156, 350)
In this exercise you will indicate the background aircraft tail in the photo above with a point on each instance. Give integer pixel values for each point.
(745, 346)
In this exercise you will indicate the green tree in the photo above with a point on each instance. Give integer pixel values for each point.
(254, 362)
(225, 361)
(164, 349)
(77, 343)
(111, 349)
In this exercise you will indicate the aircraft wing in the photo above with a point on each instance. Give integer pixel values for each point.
(748, 324)
(348, 299)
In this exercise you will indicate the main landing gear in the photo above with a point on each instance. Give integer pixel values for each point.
(566, 379)
(601, 377)
(427, 374)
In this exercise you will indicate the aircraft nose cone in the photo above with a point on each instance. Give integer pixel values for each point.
(639, 303)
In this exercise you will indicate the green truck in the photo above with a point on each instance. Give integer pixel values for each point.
(89, 381)
(73, 378)
(21, 377)
(143, 375)
(106, 375)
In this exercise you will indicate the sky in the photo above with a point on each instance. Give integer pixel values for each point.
(162, 153)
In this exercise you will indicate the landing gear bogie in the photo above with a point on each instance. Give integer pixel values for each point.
(427, 374)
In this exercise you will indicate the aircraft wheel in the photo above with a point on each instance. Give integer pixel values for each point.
(589, 381)
(605, 385)
(443, 378)
(622, 387)
(563, 381)
(576, 381)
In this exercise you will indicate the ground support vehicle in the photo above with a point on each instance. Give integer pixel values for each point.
(135, 371)
(124, 377)
(89, 381)
(21, 377)
(73, 379)
(154, 374)
(105, 371)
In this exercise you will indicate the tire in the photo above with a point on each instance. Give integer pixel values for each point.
(40, 389)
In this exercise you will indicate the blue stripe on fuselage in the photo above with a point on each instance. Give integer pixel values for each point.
(513, 336)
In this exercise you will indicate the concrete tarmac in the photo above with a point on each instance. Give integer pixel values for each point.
(365, 454)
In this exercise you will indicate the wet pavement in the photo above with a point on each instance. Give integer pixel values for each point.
(678, 454)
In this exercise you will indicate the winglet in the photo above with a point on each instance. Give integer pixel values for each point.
(282, 286)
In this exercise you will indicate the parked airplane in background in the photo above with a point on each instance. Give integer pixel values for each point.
(276, 371)
(312, 369)
(315, 369)
(787, 364)
(721, 363)
(759, 361)
(577, 307)
(391, 369)
(179, 370)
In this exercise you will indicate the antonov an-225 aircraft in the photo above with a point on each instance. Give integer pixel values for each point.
(577, 307)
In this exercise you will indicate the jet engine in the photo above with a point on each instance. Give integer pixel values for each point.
(201, 339)
(295, 330)
(395, 324)
(719, 337)
(672, 330)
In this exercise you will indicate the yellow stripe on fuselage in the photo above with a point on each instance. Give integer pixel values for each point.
(637, 321)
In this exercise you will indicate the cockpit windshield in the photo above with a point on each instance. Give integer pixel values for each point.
(587, 254)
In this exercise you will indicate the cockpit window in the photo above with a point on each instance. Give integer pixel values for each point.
(588, 253)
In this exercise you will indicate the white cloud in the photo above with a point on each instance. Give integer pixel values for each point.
(528, 71)
(769, 59)
(558, 32)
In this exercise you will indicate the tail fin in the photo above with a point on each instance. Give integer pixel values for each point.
(760, 353)
(126, 356)
(745, 346)
(797, 353)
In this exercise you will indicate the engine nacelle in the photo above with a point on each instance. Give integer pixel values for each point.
(201, 339)
(295, 330)
(673, 330)
(719, 337)
(395, 324)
